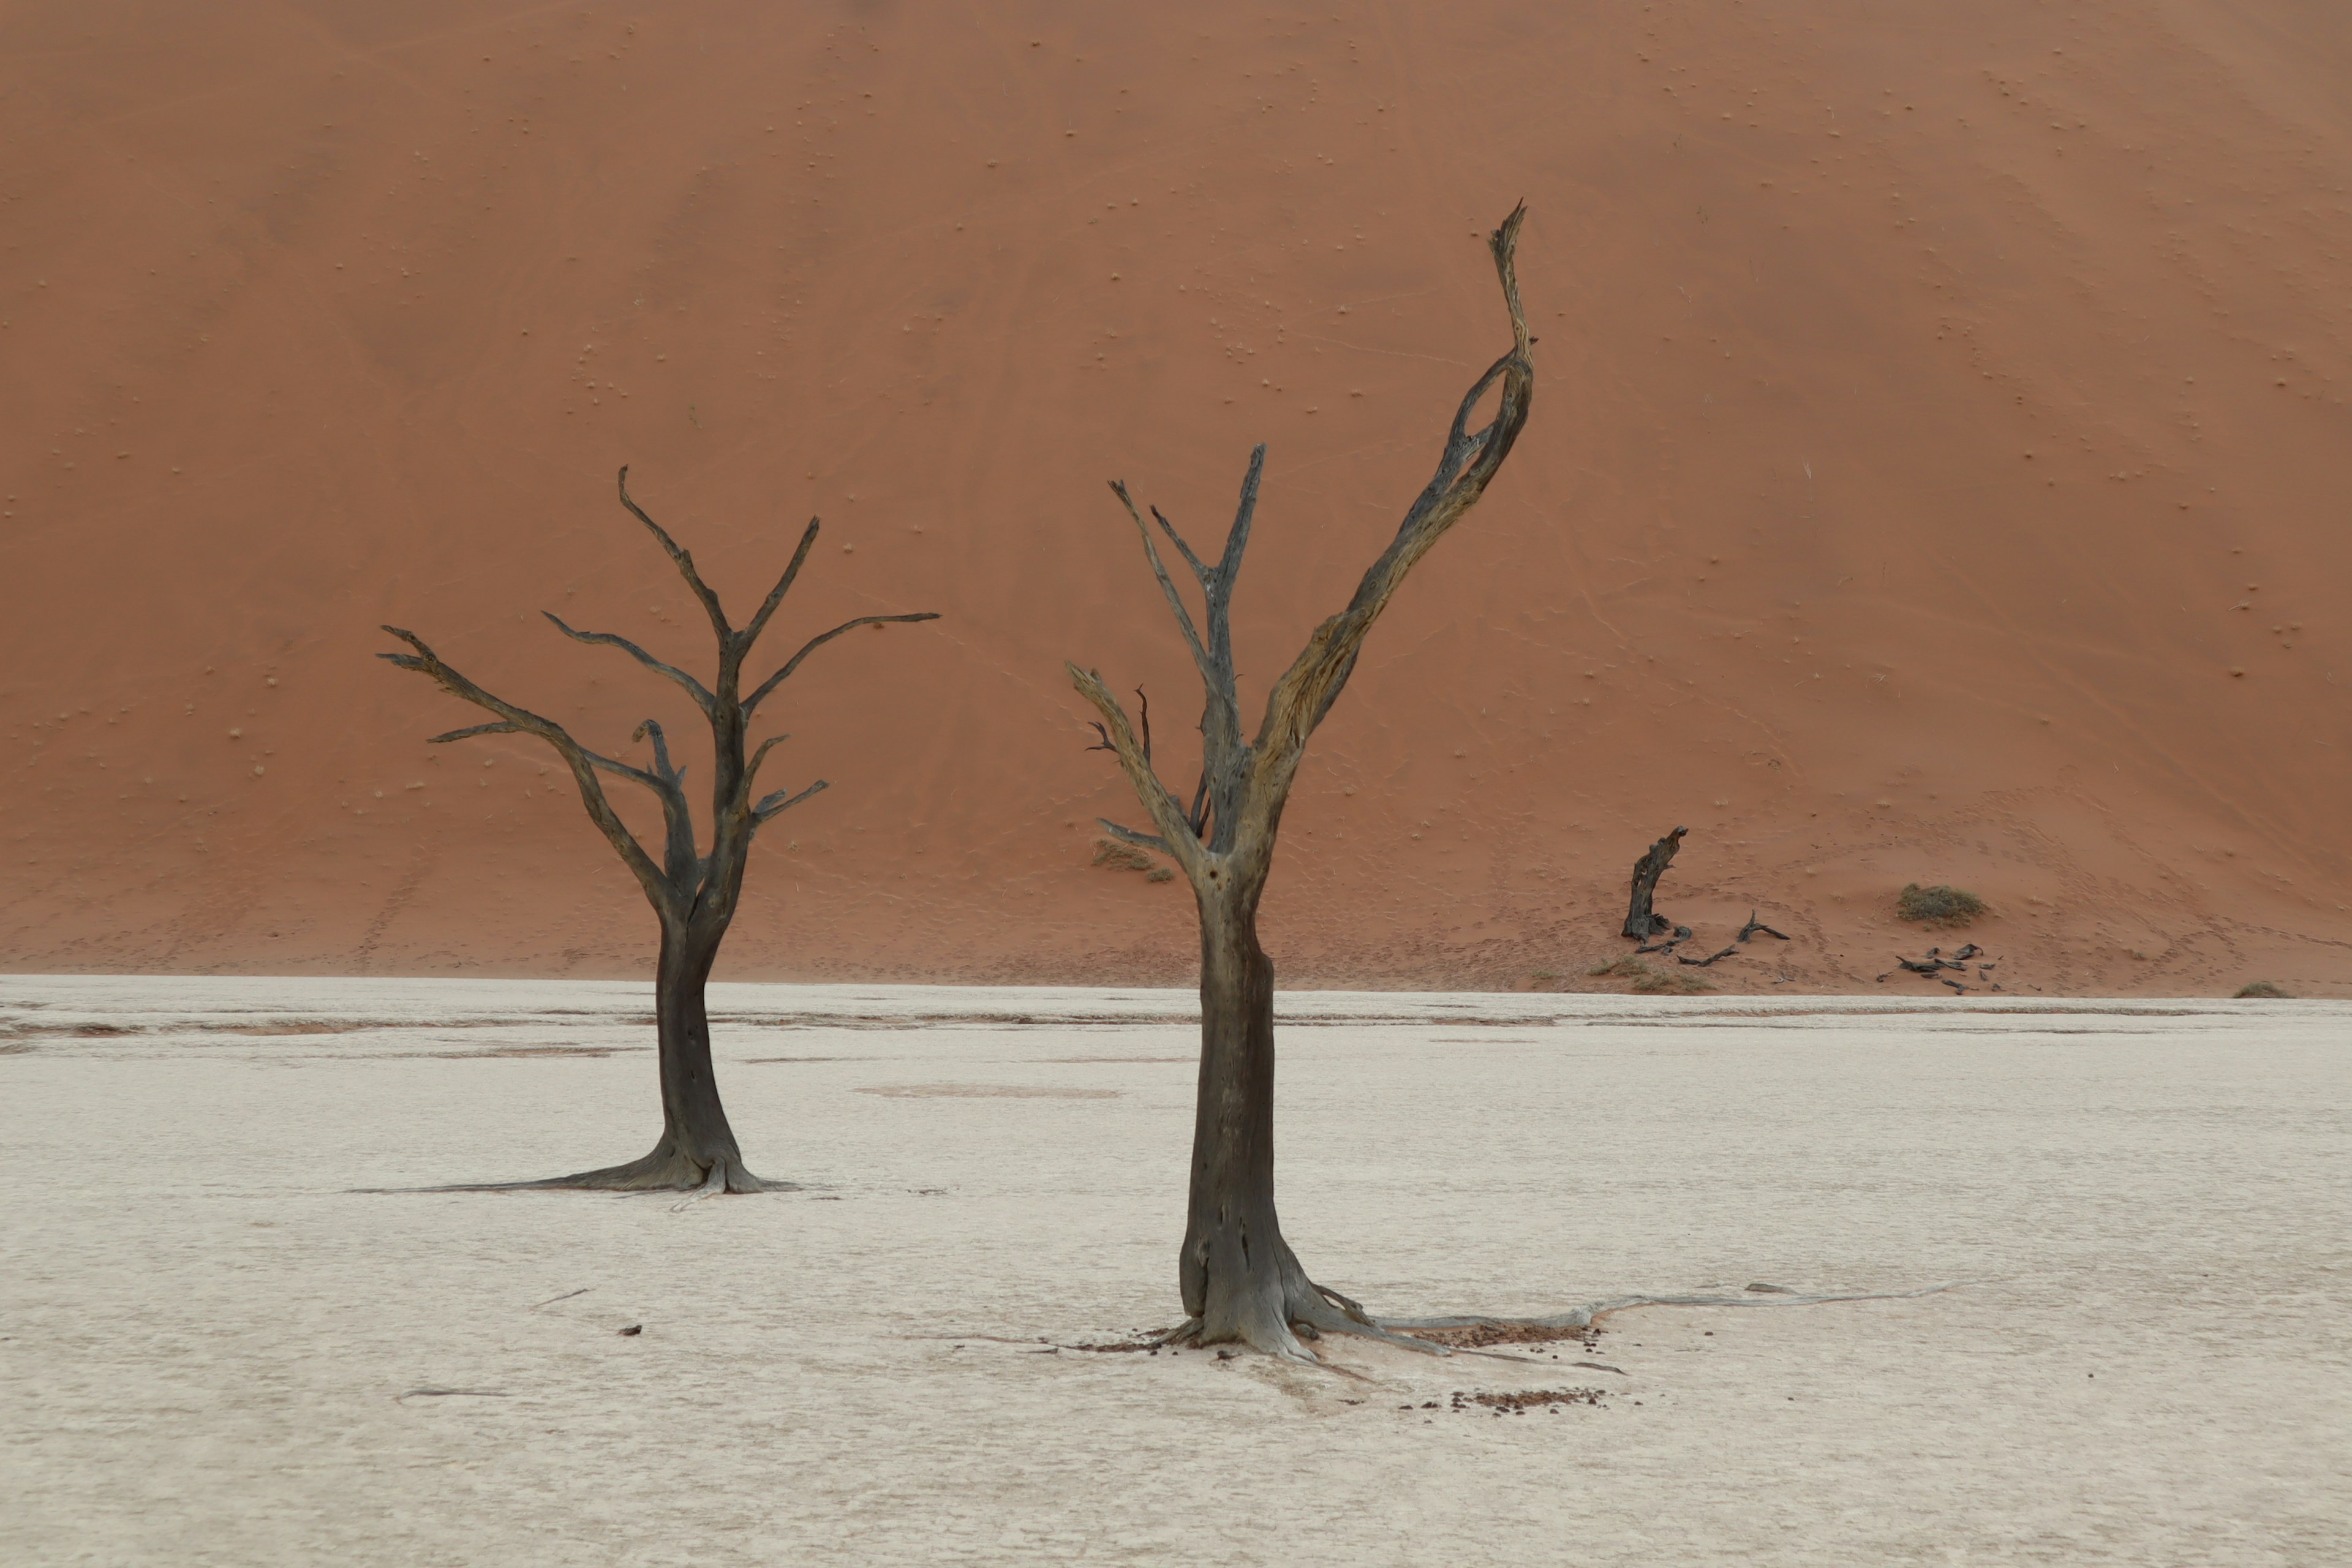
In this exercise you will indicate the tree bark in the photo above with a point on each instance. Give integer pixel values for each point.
(1231, 1273)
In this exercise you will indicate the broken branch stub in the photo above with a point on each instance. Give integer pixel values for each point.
(1640, 923)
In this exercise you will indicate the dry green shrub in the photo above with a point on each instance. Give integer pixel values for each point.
(1941, 905)
(2262, 989)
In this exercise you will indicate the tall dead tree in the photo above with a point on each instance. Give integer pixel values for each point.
(694, 895)
(1240, 1281)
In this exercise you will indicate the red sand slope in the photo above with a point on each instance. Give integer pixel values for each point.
(1937, 470)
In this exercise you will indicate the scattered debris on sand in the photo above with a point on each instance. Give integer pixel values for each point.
(1935, 963)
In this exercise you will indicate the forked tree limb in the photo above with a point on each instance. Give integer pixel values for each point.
(774, 805)
(750, 634)
(582, 762)
(1304, 693)
(684, 561)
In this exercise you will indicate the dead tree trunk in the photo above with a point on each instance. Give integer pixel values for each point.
(694, 895)
(1639, 922)
(1239, 1278)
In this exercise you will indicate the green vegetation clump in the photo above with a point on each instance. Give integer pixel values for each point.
(1649, 982)
(2263, 988)
(1941, 905)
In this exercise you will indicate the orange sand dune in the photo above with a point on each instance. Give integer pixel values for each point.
(1937, 472)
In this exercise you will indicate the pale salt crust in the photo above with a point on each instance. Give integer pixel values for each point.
(205, 1335)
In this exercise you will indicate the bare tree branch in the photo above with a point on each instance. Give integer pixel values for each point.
(694, 689)
(683, 560)
(582, 762)
(781, 801)
(1304, 695)
(500, 728)
(680, 860)
(817, 642)
(1168, 584)
(1177, 538)
(1130, 836)
(750, 634)
(751, 770)
(1166, 814)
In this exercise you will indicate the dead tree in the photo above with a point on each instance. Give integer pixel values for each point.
(1639, 922)
(1239, 1278)
(694, 895)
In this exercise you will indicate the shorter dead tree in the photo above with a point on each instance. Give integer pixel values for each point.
(694, 895)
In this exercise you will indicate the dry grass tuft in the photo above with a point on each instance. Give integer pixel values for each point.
(2260, 989)
(1649, 982)
(1941, 905)
(1120, 856)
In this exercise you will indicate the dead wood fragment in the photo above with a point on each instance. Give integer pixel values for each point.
(1755, 926)
(1703, 962)
(1641, 923)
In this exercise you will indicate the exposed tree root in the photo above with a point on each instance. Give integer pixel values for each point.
(1320, 1310)
(667, 1169)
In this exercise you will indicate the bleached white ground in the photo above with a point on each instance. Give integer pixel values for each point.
(206, 1336)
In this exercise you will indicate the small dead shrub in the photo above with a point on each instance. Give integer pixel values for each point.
(1941, 905)
(1669, 983)
(2260, 989)
(1649, 982)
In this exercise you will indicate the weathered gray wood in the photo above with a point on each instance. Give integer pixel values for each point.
(1640, 922)
(694, 895)
(1239, 1280)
